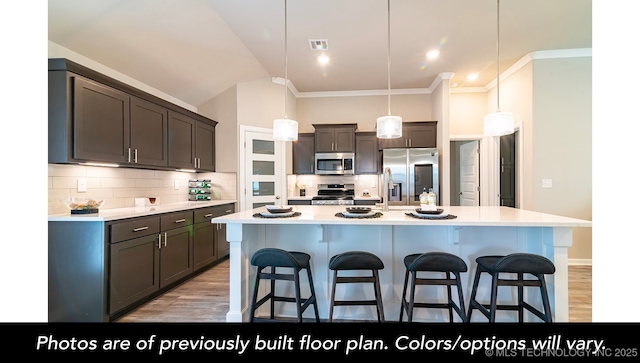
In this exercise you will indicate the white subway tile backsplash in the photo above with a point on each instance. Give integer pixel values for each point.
(120, 186)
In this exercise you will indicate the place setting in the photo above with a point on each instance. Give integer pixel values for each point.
(358, 212)
(430, 213)
(277, 211)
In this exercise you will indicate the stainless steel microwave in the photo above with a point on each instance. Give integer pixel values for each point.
(335, 163)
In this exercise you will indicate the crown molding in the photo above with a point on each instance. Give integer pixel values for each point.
(542, 54)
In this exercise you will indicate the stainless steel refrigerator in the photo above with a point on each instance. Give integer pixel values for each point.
(412, 171)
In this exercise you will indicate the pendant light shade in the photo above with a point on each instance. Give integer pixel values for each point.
(389, 127)
(285, 129)
(498, 123)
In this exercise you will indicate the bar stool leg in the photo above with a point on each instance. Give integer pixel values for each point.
(474, 290)
(545, 298)
(461, 298)
(296, 280)
(313, 295)
(449, 298)
(494, 298)
(272, 303)
(412, 296)
(378, 293)
(255, 294)
(333, 295)
(403, 302)
(520, 298)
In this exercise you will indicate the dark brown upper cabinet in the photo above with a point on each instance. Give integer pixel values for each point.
(149, 128)
(335, 138)
(94, 118)
(101, 122)
(367, 154)
(414, 134)
(303, 153)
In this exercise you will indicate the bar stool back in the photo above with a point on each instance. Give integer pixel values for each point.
(451, 265)
(278, 258)
(519, 264)
(357, 260)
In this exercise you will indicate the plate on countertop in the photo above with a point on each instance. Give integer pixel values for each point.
(437, 211)
(427, 216)
(358, 215)
(358, 210)
(277, 215)
(278, 209)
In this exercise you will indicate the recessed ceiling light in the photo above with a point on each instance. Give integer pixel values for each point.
(323, 59)
(472, 76)
(433, 54)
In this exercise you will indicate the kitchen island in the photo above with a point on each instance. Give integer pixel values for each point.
(475, 231)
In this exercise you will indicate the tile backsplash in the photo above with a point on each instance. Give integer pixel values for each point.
(120, 186)
(361, 183)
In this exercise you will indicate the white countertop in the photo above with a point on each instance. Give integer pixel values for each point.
(466, 216)
(308, 197)
(131, 212)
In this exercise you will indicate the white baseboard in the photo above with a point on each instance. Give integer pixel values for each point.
(579, 262)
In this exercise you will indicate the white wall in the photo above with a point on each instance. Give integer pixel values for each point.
(223, 109)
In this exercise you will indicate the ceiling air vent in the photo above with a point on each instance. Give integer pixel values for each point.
(318, 44)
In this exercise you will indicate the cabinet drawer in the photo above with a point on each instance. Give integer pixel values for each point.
(203, 215)
(176, 220)
(134, 228)
(221, 210)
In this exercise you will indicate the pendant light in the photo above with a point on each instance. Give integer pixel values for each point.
(389, 127)
(498, 123)
(285, 129)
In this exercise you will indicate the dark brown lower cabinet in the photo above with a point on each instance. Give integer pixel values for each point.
(134, 271)
(210, 239)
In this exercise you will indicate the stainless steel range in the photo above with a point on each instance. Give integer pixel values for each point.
(334, 194)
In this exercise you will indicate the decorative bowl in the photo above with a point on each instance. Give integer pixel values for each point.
(359, 210)
(82, 205)
(278, 208)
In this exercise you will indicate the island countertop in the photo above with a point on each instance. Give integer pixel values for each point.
(465, 216)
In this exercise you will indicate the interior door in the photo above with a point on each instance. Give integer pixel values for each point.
(508, 170)
(469, 174)
(263, 170)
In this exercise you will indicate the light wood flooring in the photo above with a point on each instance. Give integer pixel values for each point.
(205, 298)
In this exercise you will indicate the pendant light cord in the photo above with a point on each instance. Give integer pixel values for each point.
(498, 60)
(389, 56)
(285, 59)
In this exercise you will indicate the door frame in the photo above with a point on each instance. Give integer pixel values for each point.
(490, 166)
(243, 155)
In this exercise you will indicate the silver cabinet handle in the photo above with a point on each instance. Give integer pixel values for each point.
(128, 155)
(165, 239)
(208, 215)
(159, 240)
(228, 211)
(409, 142)
(140, 229)
(180, 220)
(199, 162)
(406, 143)
(135, 156)
(195, 162)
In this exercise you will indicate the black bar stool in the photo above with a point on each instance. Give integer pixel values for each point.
(278, 258)
(357, 260)
(451, 265)
(520, 264)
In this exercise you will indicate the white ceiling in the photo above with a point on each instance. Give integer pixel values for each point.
(195, 49)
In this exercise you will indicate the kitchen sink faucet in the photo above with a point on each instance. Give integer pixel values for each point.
(388, 184)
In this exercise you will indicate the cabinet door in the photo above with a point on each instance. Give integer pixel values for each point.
(422, 135)
(176, 257)
(100, 122)
(222, 246)
(400, 142)
(324, 142)
(148, 133)
(303, 153)
(204, 238)
(134, 271)
(205, 146)
(367, 153)
(344, 139)
(181, 141)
